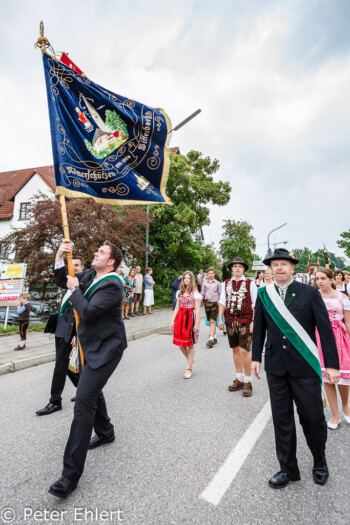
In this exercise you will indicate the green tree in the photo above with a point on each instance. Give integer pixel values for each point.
(307, 257)
(115, 122)
(344, 242)
(90, 224)
(175, 231)
(336, 260)
(237, 241)
(303, 256)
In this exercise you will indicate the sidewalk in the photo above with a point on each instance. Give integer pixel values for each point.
(40, 347)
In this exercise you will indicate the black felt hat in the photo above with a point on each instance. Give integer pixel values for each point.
(281, 254)
(238, 260)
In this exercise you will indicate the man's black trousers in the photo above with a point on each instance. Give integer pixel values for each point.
(306, 393)
(90, 412)
(61, 371)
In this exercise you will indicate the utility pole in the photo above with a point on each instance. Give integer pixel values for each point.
(280, 242)
(147, 238)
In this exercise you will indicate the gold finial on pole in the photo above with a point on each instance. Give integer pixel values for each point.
(42, 42)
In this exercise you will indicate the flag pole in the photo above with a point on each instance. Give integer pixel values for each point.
(43, 44)
(70, 264)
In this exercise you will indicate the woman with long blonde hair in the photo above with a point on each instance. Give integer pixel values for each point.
(185, 322)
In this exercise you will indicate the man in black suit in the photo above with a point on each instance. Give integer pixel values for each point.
(290, 377)
(96, 294)
(64, 340)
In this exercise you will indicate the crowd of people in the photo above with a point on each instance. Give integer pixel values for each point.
(132, 295)
(303, 331)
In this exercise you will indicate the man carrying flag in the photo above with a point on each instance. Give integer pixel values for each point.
(97, 297)
(112, 149)
(288, 312)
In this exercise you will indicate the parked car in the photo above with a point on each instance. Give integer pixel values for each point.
(40, 312)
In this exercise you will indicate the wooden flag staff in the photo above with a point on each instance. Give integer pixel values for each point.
(43, 44)
(70, 265)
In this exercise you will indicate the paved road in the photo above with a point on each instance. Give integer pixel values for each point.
(173, 436)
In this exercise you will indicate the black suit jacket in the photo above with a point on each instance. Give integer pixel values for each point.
(101, 329)
(281, 357)
(66, 323)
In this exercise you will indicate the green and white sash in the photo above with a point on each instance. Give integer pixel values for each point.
(99, 280)
(90, 289)
(290, 327)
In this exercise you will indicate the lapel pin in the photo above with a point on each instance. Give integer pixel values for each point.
(293, 294)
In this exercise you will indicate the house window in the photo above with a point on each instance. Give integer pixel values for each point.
(3, 253)
(24, 211)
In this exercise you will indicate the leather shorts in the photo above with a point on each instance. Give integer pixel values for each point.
(211, 310)
(238, 334)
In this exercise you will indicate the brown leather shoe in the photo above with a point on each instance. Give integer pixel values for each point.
(210, 343)
(237, 385)
(247, 389)
(20, 347)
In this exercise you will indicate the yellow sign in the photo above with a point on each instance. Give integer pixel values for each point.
(15, 270)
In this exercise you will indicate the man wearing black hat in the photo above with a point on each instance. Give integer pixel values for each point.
(237, 301)
(288, 312)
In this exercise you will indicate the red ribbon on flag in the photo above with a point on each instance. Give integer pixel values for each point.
(68, 62)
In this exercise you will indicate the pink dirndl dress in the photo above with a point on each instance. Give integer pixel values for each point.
(185, 321)
(335, 310)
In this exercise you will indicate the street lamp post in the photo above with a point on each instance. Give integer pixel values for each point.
(268, 239)
(280, 242)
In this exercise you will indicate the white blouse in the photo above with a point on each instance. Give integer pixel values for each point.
(346, 302)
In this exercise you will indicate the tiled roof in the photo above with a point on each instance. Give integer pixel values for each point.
(2, 196)
(12, 181)
(175, 150)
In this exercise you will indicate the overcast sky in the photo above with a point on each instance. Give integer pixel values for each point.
(272, 79)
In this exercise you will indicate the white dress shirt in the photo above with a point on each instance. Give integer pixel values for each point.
(59, 265)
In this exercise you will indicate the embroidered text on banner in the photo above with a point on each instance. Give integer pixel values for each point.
(105, 146)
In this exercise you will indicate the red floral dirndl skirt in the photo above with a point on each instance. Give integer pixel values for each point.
(183, 329)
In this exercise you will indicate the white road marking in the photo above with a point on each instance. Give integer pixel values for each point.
(228, 471)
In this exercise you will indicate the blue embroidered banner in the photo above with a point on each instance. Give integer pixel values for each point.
(105, 146)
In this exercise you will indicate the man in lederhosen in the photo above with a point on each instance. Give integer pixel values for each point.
(211, 289)
(237, 302)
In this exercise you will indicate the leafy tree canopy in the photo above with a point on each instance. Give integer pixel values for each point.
(175, 231)
(344, 242)
(90, 224)
(307, 256)
(237, 241)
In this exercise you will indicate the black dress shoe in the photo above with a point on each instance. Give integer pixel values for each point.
(97, 441)
(49, 409)
(73, 399)
(320, 474)
(63, 487)
(281, 479)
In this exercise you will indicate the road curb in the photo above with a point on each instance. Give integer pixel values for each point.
(145, 333)
(28, 362)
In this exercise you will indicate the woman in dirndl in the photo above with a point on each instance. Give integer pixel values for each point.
(185, 323)
(338, 306)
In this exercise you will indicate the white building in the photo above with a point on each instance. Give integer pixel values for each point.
(17, 189)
